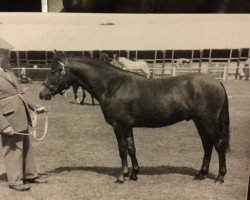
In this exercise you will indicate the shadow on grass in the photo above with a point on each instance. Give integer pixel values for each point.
(114, 171)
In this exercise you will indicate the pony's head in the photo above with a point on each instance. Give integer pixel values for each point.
(57, 80)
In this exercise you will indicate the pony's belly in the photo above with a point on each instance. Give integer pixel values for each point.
(160, 120)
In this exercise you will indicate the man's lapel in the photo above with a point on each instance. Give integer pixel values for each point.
(14, 79)
(8, 78)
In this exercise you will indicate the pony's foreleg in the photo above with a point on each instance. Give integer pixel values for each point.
(75, 88)
(207, 144)
(83, 96)
(123, 151)
(132, 154)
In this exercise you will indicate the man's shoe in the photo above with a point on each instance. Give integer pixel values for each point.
(21, 187)
(35, 180)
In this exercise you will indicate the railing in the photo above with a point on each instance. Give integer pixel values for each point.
(37, 74)
(220, 72)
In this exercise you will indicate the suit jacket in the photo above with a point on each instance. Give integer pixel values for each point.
(14, 108)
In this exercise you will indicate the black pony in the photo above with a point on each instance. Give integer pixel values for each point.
(129, 100)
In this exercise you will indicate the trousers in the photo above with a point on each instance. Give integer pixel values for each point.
(19, 159)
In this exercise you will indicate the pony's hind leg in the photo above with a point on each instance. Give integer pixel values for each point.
(207, 144)
(221, 149)
(132, 154)
(120, 133)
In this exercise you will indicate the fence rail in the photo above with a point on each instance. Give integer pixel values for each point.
(218, 72)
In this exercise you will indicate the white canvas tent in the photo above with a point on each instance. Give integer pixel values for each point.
(5, 44)
(48, 31)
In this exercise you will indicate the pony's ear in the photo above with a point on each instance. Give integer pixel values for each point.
(59, 55)
(56, 54)
(62, 57)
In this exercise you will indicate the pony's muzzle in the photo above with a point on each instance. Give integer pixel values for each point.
(45, 93)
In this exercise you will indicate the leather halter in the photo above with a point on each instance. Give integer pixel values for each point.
(63, 73)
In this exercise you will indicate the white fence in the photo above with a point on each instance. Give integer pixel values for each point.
(221, 71)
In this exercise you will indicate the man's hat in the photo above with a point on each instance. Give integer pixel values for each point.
(4, 45)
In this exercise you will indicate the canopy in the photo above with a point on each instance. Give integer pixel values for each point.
(67, 31)
(5, 45)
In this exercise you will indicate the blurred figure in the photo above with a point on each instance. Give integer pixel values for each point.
(23, 77)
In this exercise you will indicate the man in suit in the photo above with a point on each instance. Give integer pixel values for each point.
(15, 117)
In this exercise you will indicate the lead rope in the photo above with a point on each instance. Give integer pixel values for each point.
(46, 125)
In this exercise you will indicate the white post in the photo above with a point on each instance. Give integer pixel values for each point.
(44, 6)
(163, 63)
(174, 71)
(18, 62)
(225, 72)
(192, 57)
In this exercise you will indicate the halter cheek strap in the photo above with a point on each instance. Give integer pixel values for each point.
(63, 66)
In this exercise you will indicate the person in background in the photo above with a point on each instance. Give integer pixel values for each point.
(23, 77)
(15, 118)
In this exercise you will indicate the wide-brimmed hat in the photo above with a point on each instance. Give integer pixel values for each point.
(5, 45)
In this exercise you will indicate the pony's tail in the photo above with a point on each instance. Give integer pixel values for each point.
(224, 121)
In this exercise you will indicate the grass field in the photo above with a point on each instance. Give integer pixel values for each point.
(81, 160)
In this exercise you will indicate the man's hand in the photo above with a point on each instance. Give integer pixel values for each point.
(8, 131)
(40, 109)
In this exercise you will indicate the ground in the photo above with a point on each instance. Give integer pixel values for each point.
(81, 160)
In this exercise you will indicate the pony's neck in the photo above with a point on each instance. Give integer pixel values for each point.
(93, 78)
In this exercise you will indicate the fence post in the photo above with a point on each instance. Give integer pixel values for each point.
(46, 59)
(163, 63)
(238, 64)
(172, 62)
(91, 54)
(44, 6)
(26, 57)
(174, 71)
(18, 63)
(155, 57)
(172, 58)
(200, 61)
(192, 57)
(224, 72)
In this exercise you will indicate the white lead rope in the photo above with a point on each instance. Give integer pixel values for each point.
(33, 132)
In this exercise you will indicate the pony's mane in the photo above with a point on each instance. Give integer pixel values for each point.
(99, 63)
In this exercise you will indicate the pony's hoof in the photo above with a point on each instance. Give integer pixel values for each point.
(119, 181)
(199, 176)
(219, 179)
(133, 177)
(77, 101)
